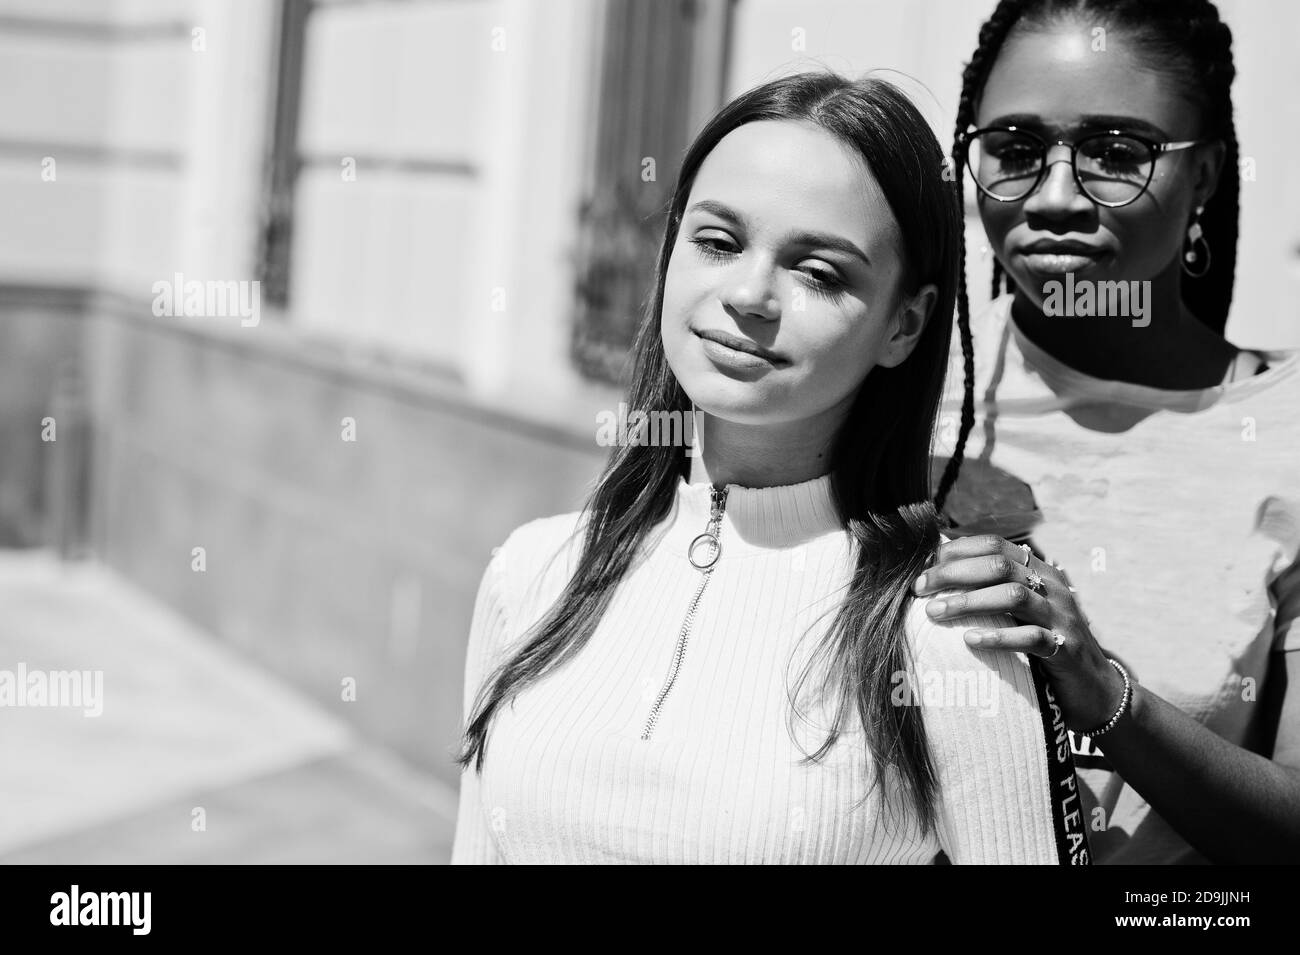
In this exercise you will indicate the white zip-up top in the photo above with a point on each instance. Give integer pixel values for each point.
(668, 738)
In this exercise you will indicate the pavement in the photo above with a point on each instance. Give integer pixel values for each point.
(197, 755)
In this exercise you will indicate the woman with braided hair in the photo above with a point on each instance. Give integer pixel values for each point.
(1119, 437)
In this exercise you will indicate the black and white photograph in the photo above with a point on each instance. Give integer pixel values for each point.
(649, 432)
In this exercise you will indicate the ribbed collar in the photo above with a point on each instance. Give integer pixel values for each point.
(754, 519)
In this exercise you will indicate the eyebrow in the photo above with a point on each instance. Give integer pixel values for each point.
(1089, 123)
(818, 240)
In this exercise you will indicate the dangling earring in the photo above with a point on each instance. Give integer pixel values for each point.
(1191, 254)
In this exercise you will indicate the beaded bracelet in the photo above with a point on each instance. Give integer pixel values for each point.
(1123, 703)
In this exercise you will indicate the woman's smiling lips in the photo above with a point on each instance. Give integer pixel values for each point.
(740, 354)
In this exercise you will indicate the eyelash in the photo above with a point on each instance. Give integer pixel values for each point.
(826, 287)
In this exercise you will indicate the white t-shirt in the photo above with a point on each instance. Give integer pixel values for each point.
(1176, 515)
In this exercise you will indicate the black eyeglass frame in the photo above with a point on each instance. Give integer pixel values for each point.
(1157, 150)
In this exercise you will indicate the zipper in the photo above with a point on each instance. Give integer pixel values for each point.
(703, 554)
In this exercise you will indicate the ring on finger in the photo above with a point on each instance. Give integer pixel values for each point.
(1033, 579)
(1059, 640)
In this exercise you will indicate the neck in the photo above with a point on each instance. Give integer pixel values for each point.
(1168, 347)
(767, 455)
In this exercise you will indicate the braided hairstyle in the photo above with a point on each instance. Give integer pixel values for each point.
(1195, 46)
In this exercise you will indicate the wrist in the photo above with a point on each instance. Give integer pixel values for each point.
(1136, 706)
(1095, 700)
(1122, 707)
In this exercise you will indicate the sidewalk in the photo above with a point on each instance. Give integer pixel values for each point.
(189, 730)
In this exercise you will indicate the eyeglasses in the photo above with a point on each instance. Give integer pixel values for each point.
(1112, 167)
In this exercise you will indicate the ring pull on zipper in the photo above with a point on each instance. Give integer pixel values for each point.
(704, 563)
(710, 537)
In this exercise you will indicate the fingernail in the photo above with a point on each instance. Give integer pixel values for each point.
(935, 607)
(976, 636)
(920, 583)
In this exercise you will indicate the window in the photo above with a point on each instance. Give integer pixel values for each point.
(661, 74)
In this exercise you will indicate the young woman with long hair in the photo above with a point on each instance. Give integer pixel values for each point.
(719, 659)
(1134, 448)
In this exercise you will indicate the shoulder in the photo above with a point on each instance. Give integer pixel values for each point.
(1260, 410)
(539, 551)
(939, 646)
(541, 536)
(1276, 357)
(988, 739)
(968, 695)
(1280, 381)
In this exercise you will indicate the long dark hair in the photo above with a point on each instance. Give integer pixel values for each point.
(1194, 46)
(879, 458)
